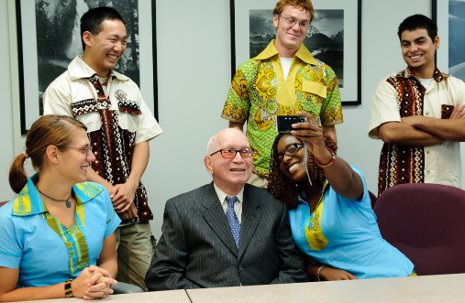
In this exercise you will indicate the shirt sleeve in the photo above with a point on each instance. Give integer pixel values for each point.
(149, 127)
(113, 220)
(384, 108)
(57, 99)
(331, 111)
(456, 88)
(10, 248)
(237, 105)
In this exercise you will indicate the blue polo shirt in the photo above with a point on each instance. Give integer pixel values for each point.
(43, 249)
(344, 234)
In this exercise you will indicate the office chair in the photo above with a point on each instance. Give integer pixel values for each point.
(427, 223)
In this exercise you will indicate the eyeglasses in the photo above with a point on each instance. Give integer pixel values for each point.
(302, 24)
(230, 153)
(290, 149)
(84, 150)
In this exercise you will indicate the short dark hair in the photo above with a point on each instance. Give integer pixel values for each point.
(92, 19)
(418, 22)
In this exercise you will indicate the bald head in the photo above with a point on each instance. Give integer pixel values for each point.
(232, 170)
(215, 141)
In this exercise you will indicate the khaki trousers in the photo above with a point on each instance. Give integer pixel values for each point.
(134, 245)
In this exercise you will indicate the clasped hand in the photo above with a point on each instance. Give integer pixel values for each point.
(93, 283)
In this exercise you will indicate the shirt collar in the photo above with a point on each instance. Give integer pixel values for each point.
(302, 197)
(302, 53)
(78, 69)
(437, 75)
(29, 202)
(222, 195)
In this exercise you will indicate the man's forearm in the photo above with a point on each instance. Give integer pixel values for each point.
(140, 160)
(94, 177)
(445, 129)
(403, 134)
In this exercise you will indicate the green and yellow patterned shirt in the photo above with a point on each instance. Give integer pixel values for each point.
(259, 93)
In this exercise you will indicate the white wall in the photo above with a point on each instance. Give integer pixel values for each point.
(6, 111)
(194, 77)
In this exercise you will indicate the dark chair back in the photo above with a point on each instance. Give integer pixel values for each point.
(373, 199)
(427, 223)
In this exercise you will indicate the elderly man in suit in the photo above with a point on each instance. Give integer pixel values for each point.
(226, 233)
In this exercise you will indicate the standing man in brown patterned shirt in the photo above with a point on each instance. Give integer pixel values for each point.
(419, 113)
(119, 126)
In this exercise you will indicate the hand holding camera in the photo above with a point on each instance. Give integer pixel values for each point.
(304, 126)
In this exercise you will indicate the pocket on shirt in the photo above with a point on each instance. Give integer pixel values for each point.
(130, 115)
(315, 88)
(86, 111)
(446, 111)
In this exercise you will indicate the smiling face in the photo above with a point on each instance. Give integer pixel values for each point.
(76, 158)
(292, 165)
(418, 51)
(291, 29)
(230, 175)
(104, 49)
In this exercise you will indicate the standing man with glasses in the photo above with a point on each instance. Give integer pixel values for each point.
(226, 233)
(282, 80)
(119, 126)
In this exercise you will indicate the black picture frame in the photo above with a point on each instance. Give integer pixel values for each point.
(350, 14)
(449, 15)
(38, 66)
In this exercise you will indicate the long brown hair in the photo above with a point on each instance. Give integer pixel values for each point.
(47, 130)
(285, 189)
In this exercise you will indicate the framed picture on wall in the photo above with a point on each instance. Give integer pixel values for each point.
(49, 38)
(450, 18)
(333, 37)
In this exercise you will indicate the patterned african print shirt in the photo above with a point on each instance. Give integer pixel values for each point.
(401, 95)
(129, 123)
(259, 93)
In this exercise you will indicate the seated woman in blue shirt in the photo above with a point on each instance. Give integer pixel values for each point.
(56, 236)
(330, 211)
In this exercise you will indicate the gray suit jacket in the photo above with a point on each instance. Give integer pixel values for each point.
(197, 249)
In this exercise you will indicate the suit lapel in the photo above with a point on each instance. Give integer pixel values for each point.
(251, 215)
(216, 219)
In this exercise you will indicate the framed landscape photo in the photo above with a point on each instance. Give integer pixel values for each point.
(49, 38)
(333, 37)
(449, 16)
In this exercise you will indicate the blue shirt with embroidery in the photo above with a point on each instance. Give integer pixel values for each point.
(354, 242)
(43, 249)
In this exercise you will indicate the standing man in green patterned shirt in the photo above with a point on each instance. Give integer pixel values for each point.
(284, 79)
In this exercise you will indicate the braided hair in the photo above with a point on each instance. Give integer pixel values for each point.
(284, 188)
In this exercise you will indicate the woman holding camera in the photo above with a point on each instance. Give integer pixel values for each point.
(56, 236)
(330, 210)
